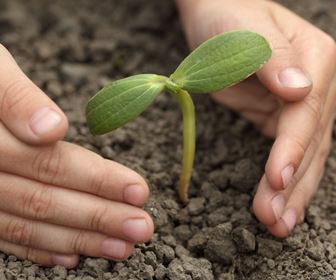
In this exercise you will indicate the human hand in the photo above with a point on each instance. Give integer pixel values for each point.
(58, 200)
(292, 99)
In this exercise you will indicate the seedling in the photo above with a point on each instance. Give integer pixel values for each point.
(219, 62)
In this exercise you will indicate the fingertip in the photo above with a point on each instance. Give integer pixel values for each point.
(294, 78)
(129, 250)
(285, 224)
(291, 84)
(68, 261)
(276, 176)
(116, 249)
(284, 159)
(267, 206)
(292, 94)
(150, 226)
(135, 190)
(278, 230)
(26, 110)
(47, 125)
(263, 211)
(136, 194)
(139, 229)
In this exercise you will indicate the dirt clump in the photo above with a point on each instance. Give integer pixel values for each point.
(77, 47)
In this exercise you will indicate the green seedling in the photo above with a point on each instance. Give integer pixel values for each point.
(218, 63)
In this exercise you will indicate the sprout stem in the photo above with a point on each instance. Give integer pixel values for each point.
(189, 139)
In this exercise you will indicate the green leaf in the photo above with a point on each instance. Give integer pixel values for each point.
(121, 101)
(222, 61)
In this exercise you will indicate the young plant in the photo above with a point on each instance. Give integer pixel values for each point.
(219, 62)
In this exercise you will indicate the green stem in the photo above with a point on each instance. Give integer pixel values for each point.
(189, 139)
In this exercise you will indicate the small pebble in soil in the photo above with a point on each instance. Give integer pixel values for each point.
(244, 239)
(197, 242)
(196, 206)
(268, 248)
(160, 272)
(169, 240)
(219, 178)
(183, 232)
(316, 250)
(79, 54)
(246, 175)
(220, 246)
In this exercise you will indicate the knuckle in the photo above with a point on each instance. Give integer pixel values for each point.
(97, 221)
(313, 103)
(98, 179)
(78, 242)
(324, 151)
(317, 137)
(38, 204)
(16, 95)
(19, 232)
(31, 254)
(280, 48)
(299, 145)
(47, 164)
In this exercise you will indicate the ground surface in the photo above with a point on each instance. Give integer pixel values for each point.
(72, 48)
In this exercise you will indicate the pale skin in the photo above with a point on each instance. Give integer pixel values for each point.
(58, 200)
(291, 99)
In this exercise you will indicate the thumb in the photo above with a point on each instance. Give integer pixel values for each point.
(284, 74)
(24, 109)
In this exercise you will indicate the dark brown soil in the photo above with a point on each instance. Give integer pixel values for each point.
(71, 49)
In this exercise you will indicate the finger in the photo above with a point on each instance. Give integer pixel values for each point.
(28, 113)
(323, 128)
(70, 166)
(270, 205)
(61, 240)
(245, 99)
(73, 209)
(299, 122)
(246, 96)
(284, 74)
(299, 195)
(287, 74)
(42, 257)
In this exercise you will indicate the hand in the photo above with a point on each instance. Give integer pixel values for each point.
(292, 99)
(58, 200)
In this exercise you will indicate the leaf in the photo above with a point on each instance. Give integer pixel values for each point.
(121, 101)
(222, 61)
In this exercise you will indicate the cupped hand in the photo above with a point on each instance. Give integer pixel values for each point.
(58, 200)
(292, 99)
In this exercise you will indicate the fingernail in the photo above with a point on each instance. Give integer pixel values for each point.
(134, 194)
(114, 248)
(135, 229)
(294, 78)
(286, 175)
(64, 260)
(289, 218)
(44, 121)
(278, 205)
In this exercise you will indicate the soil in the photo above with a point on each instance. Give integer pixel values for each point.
(71, 49)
